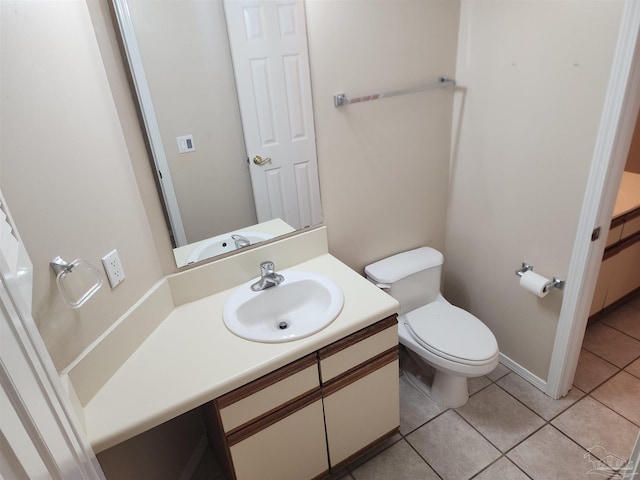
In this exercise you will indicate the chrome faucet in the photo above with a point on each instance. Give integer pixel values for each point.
(240, 241)
(268, 277)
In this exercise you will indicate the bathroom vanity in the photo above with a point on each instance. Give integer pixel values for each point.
(298, 409)
(618, 275)
(314, 415)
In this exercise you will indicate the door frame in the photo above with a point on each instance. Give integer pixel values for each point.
(63, 431)
(617, 123)
(634, 462)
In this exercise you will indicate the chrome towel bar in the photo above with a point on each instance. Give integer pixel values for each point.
(342, 99)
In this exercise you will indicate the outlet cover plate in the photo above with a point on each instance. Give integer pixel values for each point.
(113, 267)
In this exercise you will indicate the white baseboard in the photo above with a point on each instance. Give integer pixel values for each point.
(192, 465)
(523, 372)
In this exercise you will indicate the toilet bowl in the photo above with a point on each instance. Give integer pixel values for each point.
(446, 344)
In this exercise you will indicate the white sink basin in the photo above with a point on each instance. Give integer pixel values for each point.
(303, 304)
(222, 244)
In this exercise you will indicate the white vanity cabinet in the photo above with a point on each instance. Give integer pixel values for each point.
(313, 416)
(273, 427)
(290, 445)
(618, 277)
(359, 377)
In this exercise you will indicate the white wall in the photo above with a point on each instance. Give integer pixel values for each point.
(65, 168)
(535, 75)
(383, 164)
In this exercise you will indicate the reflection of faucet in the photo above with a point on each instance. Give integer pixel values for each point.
(241, 241)
(268, 277)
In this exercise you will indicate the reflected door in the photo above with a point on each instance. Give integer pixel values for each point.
(270, 57)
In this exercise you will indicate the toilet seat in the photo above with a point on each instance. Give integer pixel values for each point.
(452, 333)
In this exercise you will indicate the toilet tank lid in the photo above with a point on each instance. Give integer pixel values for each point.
(401, 265)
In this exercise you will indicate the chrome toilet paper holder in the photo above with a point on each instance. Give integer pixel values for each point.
(555, 283)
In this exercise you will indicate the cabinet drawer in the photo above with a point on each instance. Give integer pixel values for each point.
(268, 393)
(362, 408)
(630, 227)
(615, 234)
(293, 447)
(346, 354)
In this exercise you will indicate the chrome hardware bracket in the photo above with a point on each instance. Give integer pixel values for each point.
(59, 265)
(555, 283)
(525, 268)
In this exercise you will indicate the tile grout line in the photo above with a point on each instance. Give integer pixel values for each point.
(608, 361)
(502, 454)
(613, 410)
(403, 436)
(505, 453)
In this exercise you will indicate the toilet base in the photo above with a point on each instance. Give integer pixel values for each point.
(445, 389)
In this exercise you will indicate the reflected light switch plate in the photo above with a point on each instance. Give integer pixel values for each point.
(185, 144)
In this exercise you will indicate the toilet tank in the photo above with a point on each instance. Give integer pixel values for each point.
(412, 277)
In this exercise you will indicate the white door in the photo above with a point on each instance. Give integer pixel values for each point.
(268, 41)
(632, 469)
(38, 436)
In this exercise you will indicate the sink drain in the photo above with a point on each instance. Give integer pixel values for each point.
(283, 325)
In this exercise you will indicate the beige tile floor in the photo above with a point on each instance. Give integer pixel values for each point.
(510, 430)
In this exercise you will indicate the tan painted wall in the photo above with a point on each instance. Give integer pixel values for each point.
(126, 107)
(187, 61)
(66, 170)
(535, 74)
(383, 164)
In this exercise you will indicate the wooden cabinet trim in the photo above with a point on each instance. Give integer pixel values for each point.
(616, 222)
(360, 371)
(267, 380)
(621, 245)
(273, 411)
(357, 337)
(265, 421)
(322, 476)
(218, 439)
(620, 219)
(632, 214)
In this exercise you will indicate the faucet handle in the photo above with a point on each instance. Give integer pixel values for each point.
(267, 268)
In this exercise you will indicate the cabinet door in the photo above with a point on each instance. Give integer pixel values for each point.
(625, 277)
(362, 408)
(288, 446)
(604, 279)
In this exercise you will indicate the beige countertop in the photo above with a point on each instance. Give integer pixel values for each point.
(191, 357)
(628, 197)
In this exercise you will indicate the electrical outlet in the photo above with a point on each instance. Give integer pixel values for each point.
(113, 267)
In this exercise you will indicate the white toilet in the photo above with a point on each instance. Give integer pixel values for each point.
(452, 341)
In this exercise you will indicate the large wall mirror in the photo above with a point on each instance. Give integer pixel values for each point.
(224, 91)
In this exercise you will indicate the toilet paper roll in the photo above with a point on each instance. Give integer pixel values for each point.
(534, 283)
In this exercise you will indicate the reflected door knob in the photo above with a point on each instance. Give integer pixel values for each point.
(258, 160)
